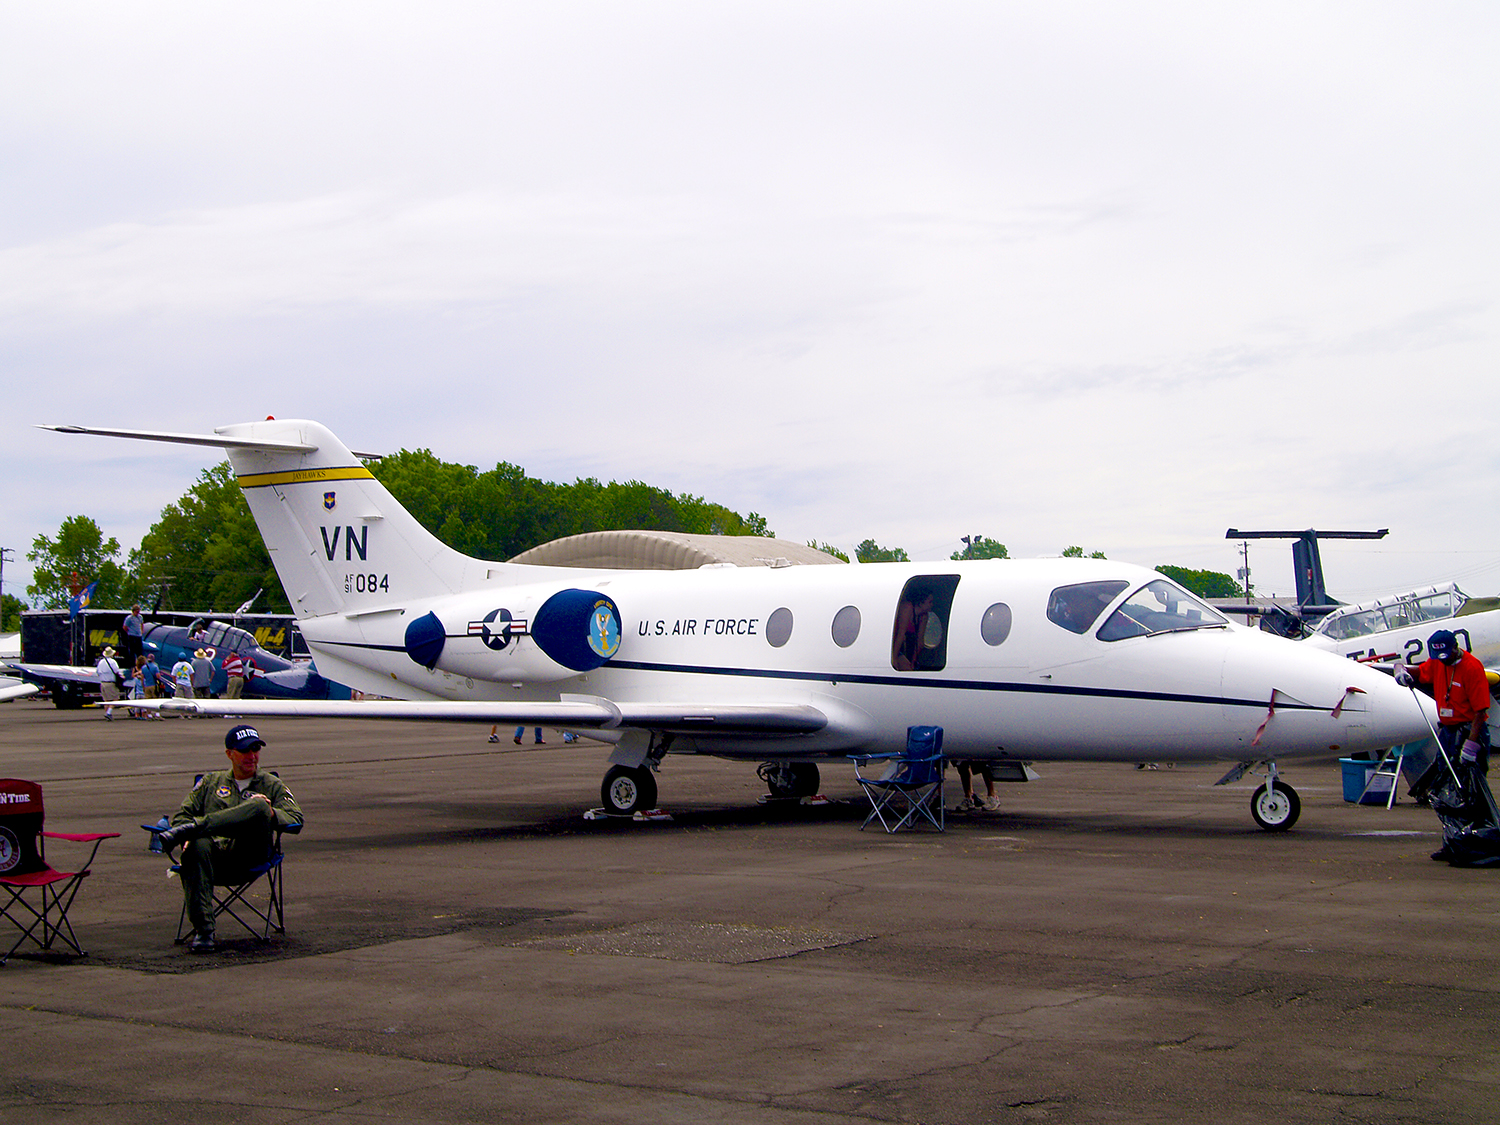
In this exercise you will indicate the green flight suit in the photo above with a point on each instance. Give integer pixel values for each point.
(231, 832)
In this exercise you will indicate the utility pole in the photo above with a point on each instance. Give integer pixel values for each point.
(1245, 570)
(7, 554)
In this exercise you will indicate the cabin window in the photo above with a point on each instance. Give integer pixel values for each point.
(1076, 608)
(779, 627)
(919, 636)
(846, 626)
(994, 626)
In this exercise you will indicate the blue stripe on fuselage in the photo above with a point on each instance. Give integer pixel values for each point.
(907, 681)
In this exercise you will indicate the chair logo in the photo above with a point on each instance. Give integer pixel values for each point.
(10, 850)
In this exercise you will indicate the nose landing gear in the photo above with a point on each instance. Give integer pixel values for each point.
(1275, 805)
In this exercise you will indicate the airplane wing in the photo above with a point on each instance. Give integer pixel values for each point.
(18, 691)
(576, 712)
(48, 672)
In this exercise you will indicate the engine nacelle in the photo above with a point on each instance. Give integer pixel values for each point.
(535, 637)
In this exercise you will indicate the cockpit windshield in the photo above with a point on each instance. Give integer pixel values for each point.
(220, 635)
(1159, 607)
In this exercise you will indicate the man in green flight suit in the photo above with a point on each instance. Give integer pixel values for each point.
(226, 826)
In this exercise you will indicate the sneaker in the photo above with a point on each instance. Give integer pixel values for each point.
(965, 805)
(539, 742)
(992, 804)
(494, 738)
(202, 943)
(517, 740)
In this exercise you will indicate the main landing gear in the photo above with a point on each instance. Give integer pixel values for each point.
(1275, 805)
(628, 790)
(790, 780)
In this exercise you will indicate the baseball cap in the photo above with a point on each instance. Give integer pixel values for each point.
(242, 738)
(1442, 644)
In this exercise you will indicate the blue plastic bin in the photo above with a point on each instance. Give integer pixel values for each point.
(1357, 773)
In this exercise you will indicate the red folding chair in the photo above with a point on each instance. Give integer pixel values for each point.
(24, 867)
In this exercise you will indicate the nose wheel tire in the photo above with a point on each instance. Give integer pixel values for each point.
(1276, 809)
(628, 790)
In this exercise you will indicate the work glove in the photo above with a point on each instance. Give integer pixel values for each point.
(1403, 677)
(1470, 752)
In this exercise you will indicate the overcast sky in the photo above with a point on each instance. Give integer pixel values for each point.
(1121, 275)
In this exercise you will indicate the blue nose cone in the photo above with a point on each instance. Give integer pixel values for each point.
(424, 640)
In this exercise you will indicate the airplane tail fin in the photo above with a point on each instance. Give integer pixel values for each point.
(339, 540)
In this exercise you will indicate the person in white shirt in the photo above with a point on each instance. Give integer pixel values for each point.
(108, 674)
(182, 676)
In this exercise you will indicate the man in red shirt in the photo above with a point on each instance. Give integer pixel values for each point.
(1462, 691)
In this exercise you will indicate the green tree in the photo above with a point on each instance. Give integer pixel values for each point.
(982, 547)
(1204, 583)
(500, 513)
(10, 613)
(208, 548)
(1077, 553)
(80, 548)
(870, 552)
(828, 549)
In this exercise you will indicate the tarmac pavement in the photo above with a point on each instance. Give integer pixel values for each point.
(1114, 945)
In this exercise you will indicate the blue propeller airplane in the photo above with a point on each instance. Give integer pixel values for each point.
(273, 677)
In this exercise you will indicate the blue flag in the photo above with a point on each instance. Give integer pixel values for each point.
(81, 600)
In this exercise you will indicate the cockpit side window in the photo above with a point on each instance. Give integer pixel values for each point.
(1158, 607)
(238, 639)
(1077, 607)
(919, 638)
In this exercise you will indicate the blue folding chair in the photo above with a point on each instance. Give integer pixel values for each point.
(909, 789)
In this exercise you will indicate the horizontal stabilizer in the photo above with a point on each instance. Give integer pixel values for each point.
(188, 439)
(18, 691)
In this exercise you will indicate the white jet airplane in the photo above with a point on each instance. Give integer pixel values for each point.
(1017, 661)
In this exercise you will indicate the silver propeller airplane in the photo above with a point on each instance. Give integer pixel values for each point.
(1017, 661)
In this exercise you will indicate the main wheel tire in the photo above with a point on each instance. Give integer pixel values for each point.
(628, 790)
(790, 781)
(1276, 809)
(805, 779)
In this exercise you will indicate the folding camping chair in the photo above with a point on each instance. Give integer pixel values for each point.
(909, 790)
(24, 867)
(232, 895)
